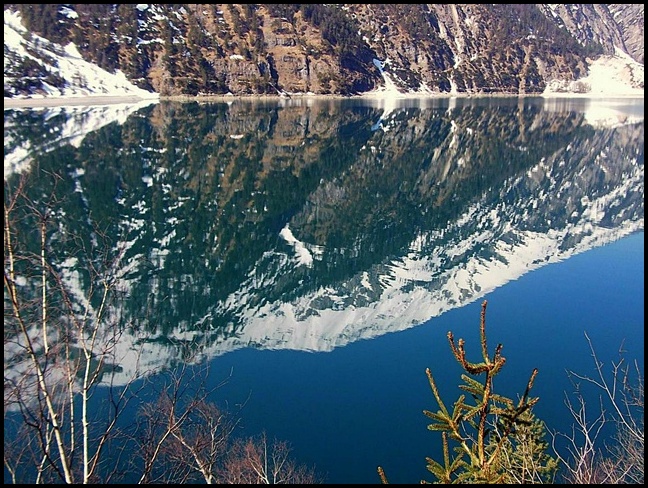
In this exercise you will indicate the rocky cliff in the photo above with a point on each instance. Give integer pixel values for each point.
(192, 49)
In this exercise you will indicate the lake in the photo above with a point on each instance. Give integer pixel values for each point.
(320, 250)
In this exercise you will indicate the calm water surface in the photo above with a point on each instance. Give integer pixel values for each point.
(321, 250)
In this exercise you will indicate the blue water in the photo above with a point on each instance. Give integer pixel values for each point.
(360, 406)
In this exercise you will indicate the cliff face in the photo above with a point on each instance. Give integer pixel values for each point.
(343, 49)
(630, 19)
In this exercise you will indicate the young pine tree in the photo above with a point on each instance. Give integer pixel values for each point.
(486, 437)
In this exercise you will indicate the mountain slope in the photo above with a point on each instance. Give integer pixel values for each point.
(191, 49)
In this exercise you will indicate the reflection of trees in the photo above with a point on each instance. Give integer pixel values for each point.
(194, 196)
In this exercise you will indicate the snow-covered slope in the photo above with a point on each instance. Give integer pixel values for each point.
(80, 78)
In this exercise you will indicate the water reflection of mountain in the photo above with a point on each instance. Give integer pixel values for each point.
(56, 127)
(309, 225)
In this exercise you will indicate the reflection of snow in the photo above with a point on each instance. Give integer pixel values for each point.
(601, 116)
(303, 255)
(387, 96)
(388, 107)
(416, 287)
(598, 112)
(304, 324)
(78, 122)
(425, 283)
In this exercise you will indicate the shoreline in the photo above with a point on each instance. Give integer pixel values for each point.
(46, 102)
(99, 100)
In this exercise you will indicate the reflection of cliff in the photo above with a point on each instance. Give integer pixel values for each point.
(309, 225)
(497, 204)
(54, 128)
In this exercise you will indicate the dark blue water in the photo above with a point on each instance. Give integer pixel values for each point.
(360, 406)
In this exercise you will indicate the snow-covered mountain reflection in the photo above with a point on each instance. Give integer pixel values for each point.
(58, 126)
(309, 230)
